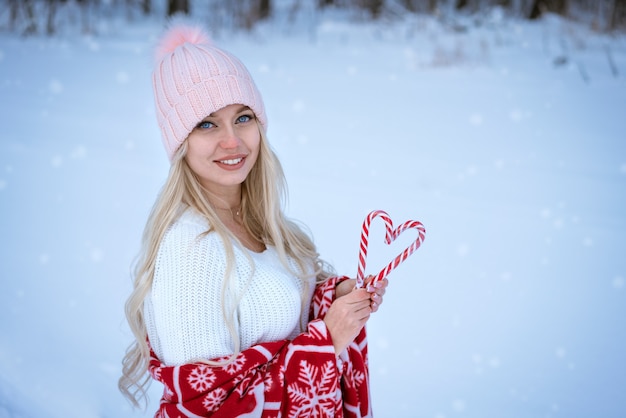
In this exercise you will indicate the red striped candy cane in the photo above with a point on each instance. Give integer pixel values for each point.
(390, 236)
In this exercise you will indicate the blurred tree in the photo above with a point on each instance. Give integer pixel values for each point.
(146, 6)
(469, 5)
(539, 7)
(618, 15)
(177, 6)
(417, 6)
(410, 5)
(13, 14)
(22, 9)
(265, 9)
(375, 7)
(29, 17)
(52, 8)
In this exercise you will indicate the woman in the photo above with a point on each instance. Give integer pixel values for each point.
(232, 308)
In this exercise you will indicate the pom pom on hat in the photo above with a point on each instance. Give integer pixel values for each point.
(193, 78)
(176, 36)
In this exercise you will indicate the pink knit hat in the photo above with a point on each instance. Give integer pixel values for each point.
(192, 79)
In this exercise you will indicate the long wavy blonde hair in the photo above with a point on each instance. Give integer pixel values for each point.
(263, 196)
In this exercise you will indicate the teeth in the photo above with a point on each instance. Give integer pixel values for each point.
(231, 162)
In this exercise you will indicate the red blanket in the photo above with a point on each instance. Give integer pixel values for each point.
(298, 378)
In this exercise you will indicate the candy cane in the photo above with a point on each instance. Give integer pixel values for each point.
(390, 236)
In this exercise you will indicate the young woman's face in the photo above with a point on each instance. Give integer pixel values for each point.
(223, 147)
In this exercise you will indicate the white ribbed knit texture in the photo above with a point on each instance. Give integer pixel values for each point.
(183, 312)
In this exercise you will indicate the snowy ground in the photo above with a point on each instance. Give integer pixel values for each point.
(507, 141)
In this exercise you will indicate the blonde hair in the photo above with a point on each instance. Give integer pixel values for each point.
(263, 196)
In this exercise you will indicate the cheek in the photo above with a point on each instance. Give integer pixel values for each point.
(197, 147)
(195, 154)
(254, 143)
(255, 152)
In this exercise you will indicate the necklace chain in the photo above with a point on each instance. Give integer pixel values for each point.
(248, 241)
(236, 212)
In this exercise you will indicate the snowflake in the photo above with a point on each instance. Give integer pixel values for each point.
(281, 373)
(357, 379)
(214, 399)
(201, 378)
(314, 393)
(234, 367)
(458, 405)
(269, 370)
(269, 383)
(249, 381)
(237, 379)
(353, 378)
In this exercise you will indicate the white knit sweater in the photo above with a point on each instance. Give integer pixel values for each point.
(183, 311)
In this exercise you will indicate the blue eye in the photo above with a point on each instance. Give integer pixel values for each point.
(204, 125)
(244, 118)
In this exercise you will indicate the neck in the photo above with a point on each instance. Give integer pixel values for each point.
(226, 201)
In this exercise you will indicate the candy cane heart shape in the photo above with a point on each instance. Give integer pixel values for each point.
(390, 236)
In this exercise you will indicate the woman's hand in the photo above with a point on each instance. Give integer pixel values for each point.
(346, 316)
(376, 291)
(344, 288)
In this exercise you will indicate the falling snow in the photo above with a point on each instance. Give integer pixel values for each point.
(515, 304)
(122, 77)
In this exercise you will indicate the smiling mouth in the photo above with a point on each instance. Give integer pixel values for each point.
(234, 161)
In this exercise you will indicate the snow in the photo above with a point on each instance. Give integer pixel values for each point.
(505, 139)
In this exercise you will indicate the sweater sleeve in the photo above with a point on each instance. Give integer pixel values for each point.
(185, 293)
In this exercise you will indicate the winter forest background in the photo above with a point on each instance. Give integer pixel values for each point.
(498, 124)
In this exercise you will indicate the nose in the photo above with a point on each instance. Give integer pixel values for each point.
(229, 139)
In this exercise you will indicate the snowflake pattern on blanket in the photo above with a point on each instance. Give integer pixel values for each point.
(298, 378)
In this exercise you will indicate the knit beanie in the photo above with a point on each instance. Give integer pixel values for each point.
(193, 78)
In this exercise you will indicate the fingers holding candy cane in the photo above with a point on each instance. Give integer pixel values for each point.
(376, 290)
